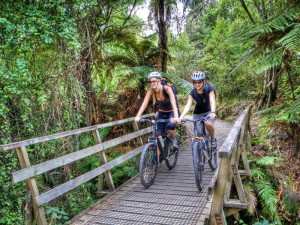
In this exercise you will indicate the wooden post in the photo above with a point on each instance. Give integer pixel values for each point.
(103, 161)
(31, 185)
(29, 209)
(140, 142)
(217, 216)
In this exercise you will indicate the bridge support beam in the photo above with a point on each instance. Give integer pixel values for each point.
(39, 214)
(103, 161)
(140, 142)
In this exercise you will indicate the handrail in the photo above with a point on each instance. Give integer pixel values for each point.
(28, 172)
(233, 149)
(66, 133)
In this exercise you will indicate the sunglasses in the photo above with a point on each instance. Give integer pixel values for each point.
(198, 82)
(152, 81)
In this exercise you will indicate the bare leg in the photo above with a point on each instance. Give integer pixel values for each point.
(210, 128)
(172, 133)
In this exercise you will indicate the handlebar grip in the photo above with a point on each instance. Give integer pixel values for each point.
(143, 120)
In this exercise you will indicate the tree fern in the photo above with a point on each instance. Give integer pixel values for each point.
(269, 61)
(291, 40)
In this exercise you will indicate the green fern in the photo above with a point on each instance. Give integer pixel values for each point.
(257, 174)
(268, 199)
(267, 160)
(269, 61)
(258, 141)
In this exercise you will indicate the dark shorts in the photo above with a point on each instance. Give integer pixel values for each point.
(162, 126)
(198, 116)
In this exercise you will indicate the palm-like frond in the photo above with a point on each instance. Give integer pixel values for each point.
(291, 40)
(269, 61)
(179, 82)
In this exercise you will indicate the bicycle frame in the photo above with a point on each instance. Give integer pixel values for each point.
(155, 137)
(148, 169)
(201, 151)
(201, 136)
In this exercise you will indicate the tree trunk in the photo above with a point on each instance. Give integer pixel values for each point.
(84, 76)
(162, 39)
(263, 97)
(273, 85)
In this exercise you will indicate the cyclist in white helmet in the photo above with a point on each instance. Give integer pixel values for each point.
(167, 107)
(205, 97)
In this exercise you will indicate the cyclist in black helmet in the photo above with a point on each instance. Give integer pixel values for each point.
(205, 97)
(167, 108)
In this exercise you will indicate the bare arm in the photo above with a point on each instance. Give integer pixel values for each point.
(173, 100)
(143, 106)
(212, 101)
(187, 107)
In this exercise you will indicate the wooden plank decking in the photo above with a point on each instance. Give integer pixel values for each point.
(172, 199)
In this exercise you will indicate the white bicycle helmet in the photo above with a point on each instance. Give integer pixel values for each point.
(198, 75)
(154, 74)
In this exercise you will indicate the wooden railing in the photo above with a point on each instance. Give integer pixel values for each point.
(234, 148)
(28, 171)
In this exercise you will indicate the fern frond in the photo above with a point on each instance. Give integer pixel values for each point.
(267, 195)
(257, 174)
(267, 160)
(291, 40)
(271, 60)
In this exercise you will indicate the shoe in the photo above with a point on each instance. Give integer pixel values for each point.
(175, 144)
(213, 143)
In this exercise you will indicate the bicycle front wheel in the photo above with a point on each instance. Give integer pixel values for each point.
(171, 159)
(148, 165)
(213, 160)
(198, 162)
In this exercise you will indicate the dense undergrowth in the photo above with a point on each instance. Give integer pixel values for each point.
(273, 189)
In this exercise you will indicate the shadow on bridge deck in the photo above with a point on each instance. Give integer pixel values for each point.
(172, 199)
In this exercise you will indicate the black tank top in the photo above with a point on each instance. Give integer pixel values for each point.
(164, 105)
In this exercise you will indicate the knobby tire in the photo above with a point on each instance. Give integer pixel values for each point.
(148, 165)
(213, 161)
(198, 162)
(172, 159)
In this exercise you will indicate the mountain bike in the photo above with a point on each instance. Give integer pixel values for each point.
(201, 150)
(149, 159)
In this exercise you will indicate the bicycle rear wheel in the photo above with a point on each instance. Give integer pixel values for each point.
(213, 160)
(198, 162)
(148, 165)
(171, 160)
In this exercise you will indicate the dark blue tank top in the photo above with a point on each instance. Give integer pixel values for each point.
(202, 100)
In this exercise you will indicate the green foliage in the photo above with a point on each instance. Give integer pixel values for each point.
(80, 198)
(266, 222)
(291, 201)
(257, 141)
(267, 161)
(257, 173)
(123, 172)
(12, 195)
(267, 195)
(56, 215)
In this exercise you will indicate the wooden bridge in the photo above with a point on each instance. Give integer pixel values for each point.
(172, 199)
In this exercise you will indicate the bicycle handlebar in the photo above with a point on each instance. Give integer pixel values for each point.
(194, 121)
(155, 121)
